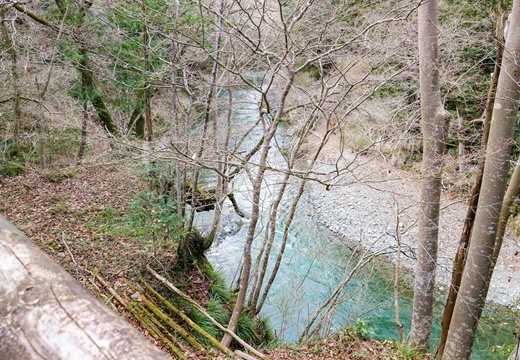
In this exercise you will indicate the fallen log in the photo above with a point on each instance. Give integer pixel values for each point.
(189, 322)
(139, 313)
(46, 314)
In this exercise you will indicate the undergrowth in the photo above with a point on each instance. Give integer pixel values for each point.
(253, 330)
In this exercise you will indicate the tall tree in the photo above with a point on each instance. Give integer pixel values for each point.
(15, 75)
(434, 120)
(460, 258)
(475, 279)
(147, 68)
(83, 64)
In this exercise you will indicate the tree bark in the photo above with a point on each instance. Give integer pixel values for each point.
(460, 258)
(174, 56)
(91, 92)
(45, 313)
(136, 122)
(515, 354)
(512, 192)
(83, 138)
(148, 70)
(475, 280)
(15, 75)
(434, 128)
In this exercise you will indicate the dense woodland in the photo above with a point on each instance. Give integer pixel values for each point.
(122, 123)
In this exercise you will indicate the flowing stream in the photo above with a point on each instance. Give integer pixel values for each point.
(316, 261)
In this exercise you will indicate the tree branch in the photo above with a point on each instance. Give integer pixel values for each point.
(35, 17)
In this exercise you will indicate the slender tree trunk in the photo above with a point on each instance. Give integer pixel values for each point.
(257, 184)
(41, 122)
(92, 93)
(147, 94)
(207, 108)
(475, 280)
(434, 127)
(257, 297)
(462, 144)
(136, 122)
(223, 182)
(398, 323)
(15, 75)
(187, 117)
(515, 354)
(512, 192)
(83, 139)
(460, 257)
(175, 110)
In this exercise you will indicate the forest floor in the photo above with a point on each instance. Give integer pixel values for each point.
(62, 213)
(56, 210)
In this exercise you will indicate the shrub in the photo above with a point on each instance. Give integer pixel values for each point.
(11, 168)
(152, 218)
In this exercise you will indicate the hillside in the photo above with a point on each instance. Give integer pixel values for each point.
(267, 157)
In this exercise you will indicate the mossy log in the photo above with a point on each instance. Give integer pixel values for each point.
(202, 200)
(205, 200)
(189, 322)
(171, 323)
(142, 316)
(45, 313)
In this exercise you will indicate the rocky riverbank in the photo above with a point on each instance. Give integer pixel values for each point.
(363, 209)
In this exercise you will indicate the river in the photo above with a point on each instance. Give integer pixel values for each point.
(316, 260)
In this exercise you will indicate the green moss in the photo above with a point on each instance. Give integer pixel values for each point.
(313, 70)
(58, 178)
(253, 330)
(11, 168)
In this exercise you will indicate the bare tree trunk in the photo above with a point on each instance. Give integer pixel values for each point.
(207, 107)
(223, 182)
(460, 257)
(398, 323)
(83, 139)
(475, 280)
(183, 179)
(434, 127)
(136, 121)
(41, 121)
(147, 70)
(257, 184)
(512, 192)
(93, 94)
(257, 298)
(175, 111)
(462, 144)
(15, 75)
